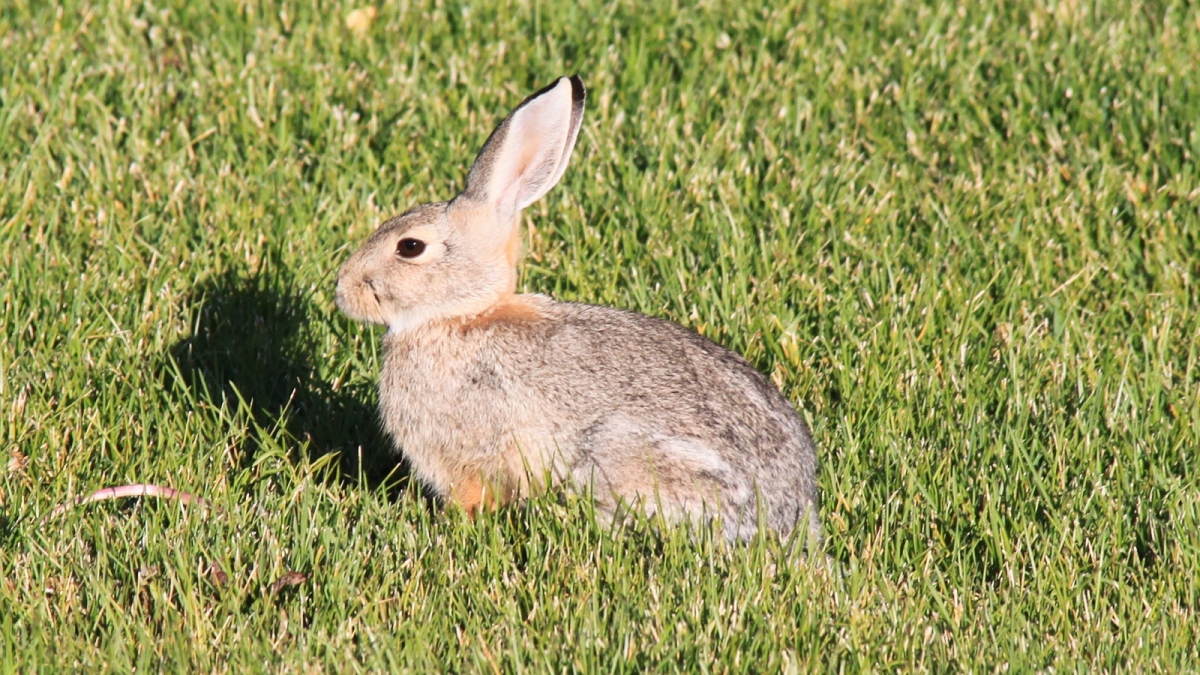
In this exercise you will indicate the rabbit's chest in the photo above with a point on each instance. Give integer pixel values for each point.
(435, 402)
(456, 412)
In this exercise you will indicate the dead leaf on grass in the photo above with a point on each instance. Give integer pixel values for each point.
(218, 575)
(138, 490)
(292, 578)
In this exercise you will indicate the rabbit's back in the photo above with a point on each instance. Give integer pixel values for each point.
(648, 389)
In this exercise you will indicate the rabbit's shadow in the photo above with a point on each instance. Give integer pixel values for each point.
(252, 339)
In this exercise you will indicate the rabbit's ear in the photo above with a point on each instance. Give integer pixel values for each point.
(527, 154)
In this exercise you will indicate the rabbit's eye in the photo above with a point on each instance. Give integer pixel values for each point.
(410, 248)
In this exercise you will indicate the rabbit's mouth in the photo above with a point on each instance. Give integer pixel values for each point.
(374, 293)
(360, 301)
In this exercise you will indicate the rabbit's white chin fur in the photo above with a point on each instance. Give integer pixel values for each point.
(411, 319)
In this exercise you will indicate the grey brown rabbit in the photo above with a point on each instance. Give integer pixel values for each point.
(490, 394)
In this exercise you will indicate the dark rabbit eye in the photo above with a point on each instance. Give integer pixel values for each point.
(410, 248)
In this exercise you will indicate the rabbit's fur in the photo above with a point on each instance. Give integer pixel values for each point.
(489, 394)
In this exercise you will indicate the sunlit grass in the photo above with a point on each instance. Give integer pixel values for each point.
(962, 238)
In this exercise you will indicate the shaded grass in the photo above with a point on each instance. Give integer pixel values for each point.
(963, 239)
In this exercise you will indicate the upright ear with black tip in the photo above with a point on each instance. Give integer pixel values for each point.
(528, 153)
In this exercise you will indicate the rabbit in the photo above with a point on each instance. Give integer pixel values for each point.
(492, 396)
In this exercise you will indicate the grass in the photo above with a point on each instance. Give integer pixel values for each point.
(963, 238)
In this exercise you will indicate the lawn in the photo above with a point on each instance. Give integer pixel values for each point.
(963, 238)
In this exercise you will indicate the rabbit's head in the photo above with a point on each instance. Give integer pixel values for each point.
(458, 258)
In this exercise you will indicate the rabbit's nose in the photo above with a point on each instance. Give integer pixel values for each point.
(343, 284)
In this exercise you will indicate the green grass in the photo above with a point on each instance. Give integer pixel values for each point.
(963, 238)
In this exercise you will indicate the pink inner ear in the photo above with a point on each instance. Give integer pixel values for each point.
(533, 146)
(520, 170)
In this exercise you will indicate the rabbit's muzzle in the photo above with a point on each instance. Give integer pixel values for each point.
(358, 299)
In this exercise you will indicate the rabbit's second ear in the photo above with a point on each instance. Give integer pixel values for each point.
(527, 154)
